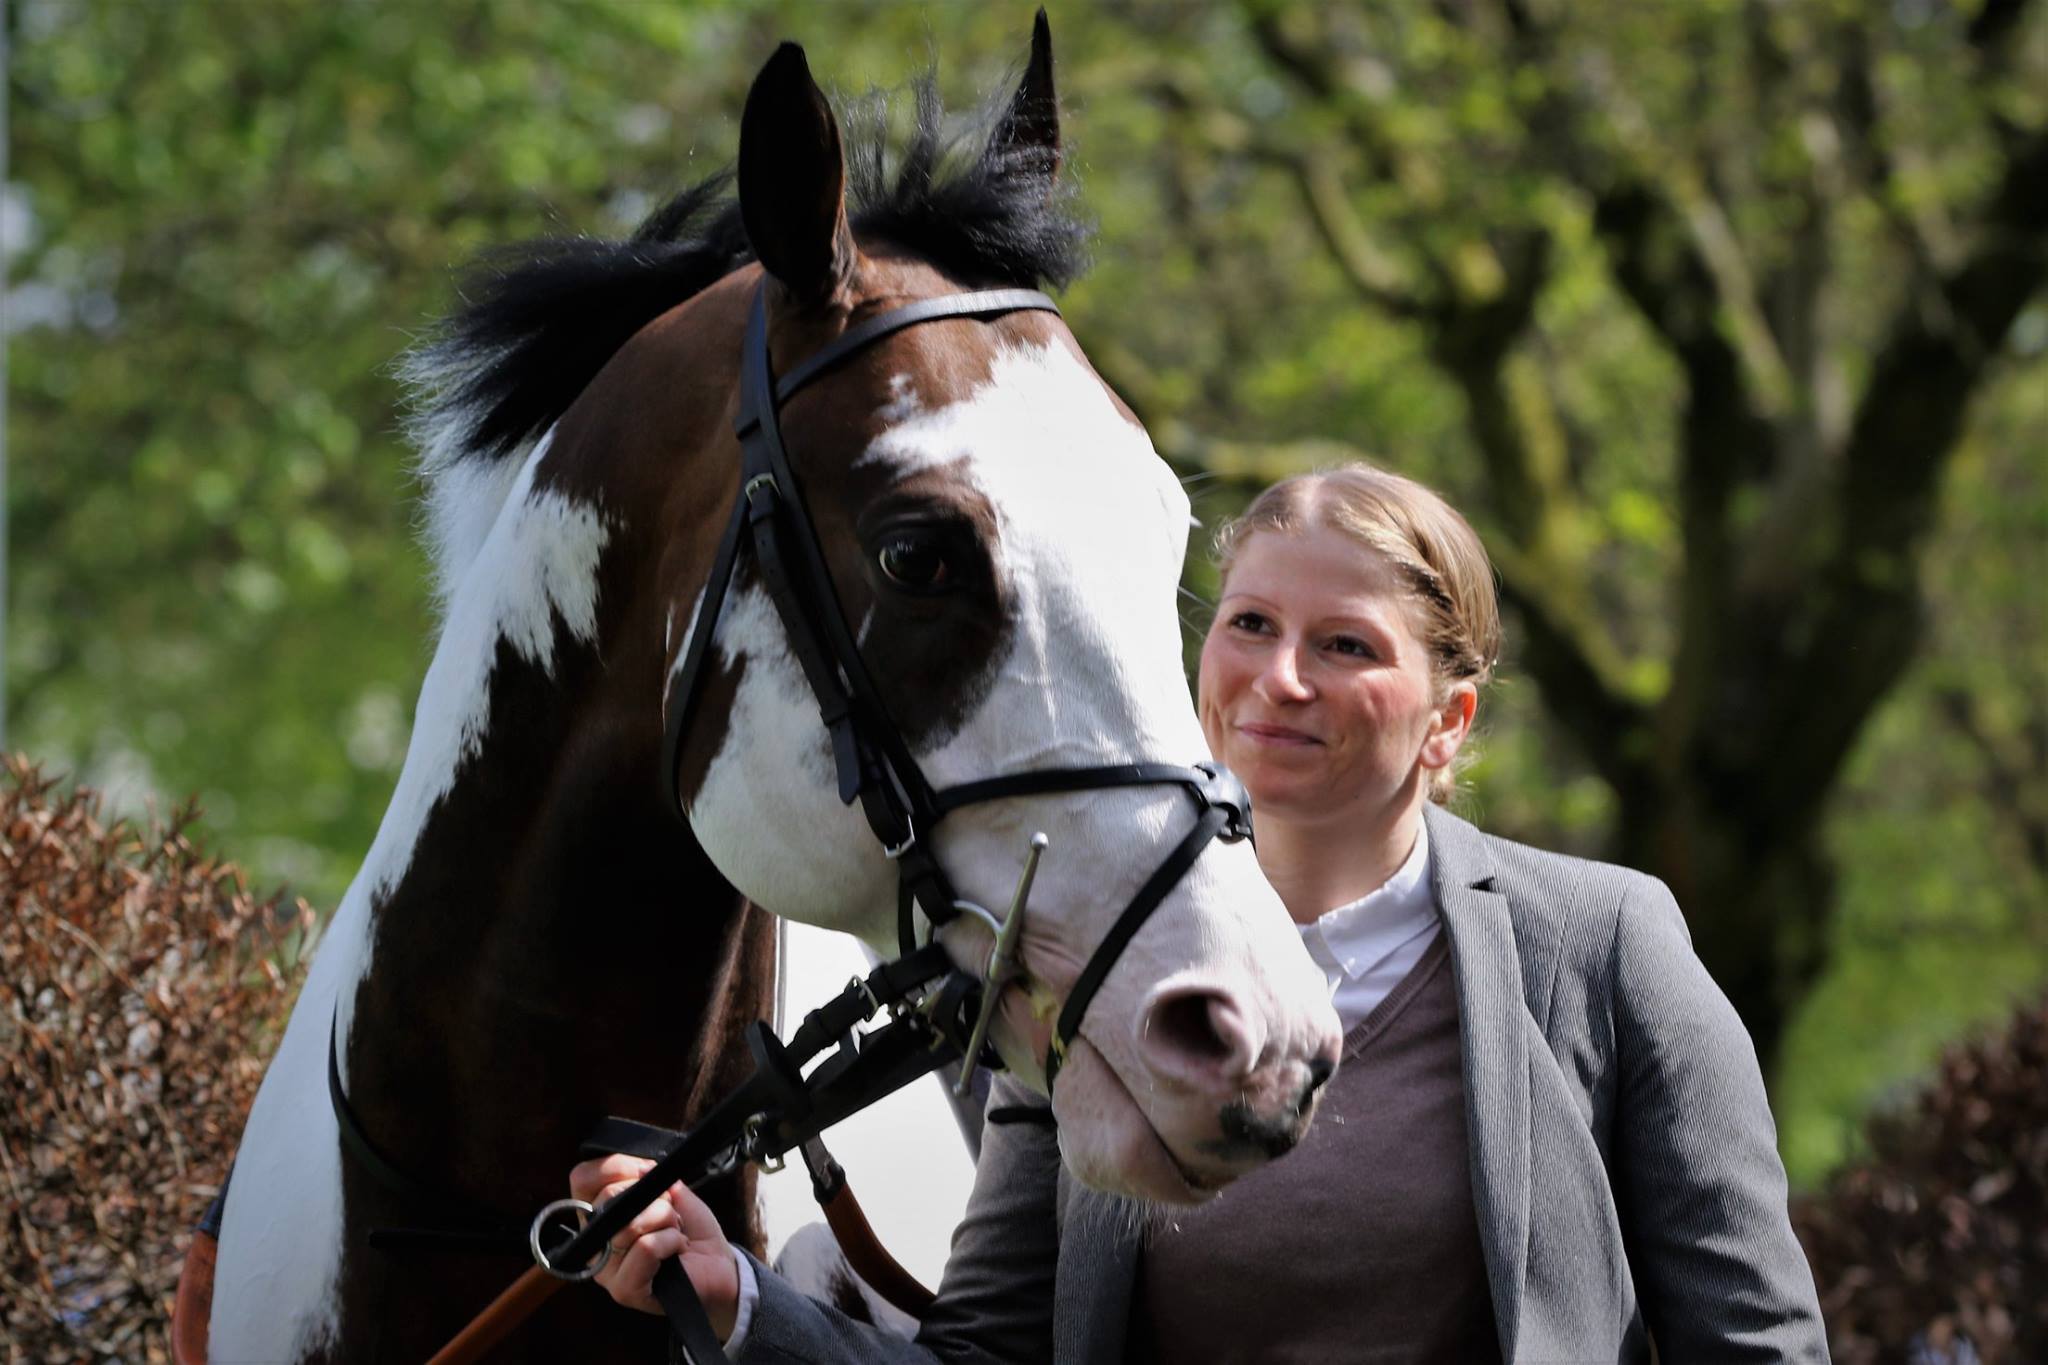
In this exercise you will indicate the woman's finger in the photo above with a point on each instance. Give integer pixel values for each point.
(694, 1216)
(659, 1214)
(589, 1178)
(629, 1279)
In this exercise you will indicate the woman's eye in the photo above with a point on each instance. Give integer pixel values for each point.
(1351, 646)
(916, 563)
(1248, 620)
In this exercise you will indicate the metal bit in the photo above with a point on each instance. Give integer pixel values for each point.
(1003, 966)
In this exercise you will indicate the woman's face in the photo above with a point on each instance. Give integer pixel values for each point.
(1315, 686)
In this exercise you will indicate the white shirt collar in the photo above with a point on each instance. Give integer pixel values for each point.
(1355, 938)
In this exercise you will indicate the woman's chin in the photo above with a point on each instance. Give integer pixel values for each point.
(1290, 778)
(1110, 1145)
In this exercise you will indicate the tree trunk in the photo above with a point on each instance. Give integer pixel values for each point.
(1758, 893)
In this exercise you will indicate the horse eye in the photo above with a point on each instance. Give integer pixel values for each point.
(916, 563)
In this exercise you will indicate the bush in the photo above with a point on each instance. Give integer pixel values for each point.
(141, 989)
(1935, 1248)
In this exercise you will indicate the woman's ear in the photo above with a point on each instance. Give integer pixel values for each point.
(1449, 724)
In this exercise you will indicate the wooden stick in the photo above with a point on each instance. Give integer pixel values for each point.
(518, 1303)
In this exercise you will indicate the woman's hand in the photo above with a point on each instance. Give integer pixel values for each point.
(678, 1223)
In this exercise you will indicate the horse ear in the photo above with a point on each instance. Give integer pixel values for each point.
(793, 180)
(1028, 137)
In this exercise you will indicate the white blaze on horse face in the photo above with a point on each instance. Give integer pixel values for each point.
(533, 577)
(1092, 529)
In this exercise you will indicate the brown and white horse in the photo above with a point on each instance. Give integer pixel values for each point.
(534, 941)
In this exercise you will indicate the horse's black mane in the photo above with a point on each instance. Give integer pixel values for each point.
(540, 319)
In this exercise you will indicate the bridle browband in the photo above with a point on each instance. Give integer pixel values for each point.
(875, 765)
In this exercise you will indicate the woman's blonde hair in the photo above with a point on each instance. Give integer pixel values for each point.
(1435, 551)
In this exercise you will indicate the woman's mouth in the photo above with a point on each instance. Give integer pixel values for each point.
(1278, 736)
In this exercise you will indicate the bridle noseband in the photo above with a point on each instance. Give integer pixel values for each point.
(874, 763)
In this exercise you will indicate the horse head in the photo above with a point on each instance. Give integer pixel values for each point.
(1005, 541)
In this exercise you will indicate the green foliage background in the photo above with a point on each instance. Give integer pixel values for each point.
(225, 221)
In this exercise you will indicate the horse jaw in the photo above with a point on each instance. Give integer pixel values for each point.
(767, 812)
(1092, 529)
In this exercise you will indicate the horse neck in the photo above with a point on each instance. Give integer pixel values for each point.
(558, 947)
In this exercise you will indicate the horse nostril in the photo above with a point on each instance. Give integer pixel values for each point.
(1190, 1025)
(1198, 1036)
(1320, 1069)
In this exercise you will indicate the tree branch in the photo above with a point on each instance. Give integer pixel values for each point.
(1713, 256)
(1474, 326)
(1794, 292)
(2016, 798)
(1991, 30)
(1312, 67)
(1578, 671)
(1918, 220)
(1373, 276)
(1862, 625)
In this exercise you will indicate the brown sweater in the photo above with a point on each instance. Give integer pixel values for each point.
(1362, 1244)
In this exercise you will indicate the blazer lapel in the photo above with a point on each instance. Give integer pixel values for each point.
(1493, 1021)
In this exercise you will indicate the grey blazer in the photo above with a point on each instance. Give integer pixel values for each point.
(1624, 1163)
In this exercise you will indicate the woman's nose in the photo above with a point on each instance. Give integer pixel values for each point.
(1280, 679)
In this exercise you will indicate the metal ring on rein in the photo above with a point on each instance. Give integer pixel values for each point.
(582, 1209)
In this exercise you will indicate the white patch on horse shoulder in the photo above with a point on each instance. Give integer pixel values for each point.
(538, 563)
(464, 489)
(280, 1249)
(463, 500)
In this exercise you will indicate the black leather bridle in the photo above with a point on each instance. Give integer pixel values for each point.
(875, 765)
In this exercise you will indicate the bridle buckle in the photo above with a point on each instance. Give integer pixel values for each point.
(893, 852)
(750, 1142)
(1225, 792)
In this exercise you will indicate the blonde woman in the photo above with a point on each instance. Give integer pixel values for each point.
(1548, 1139)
